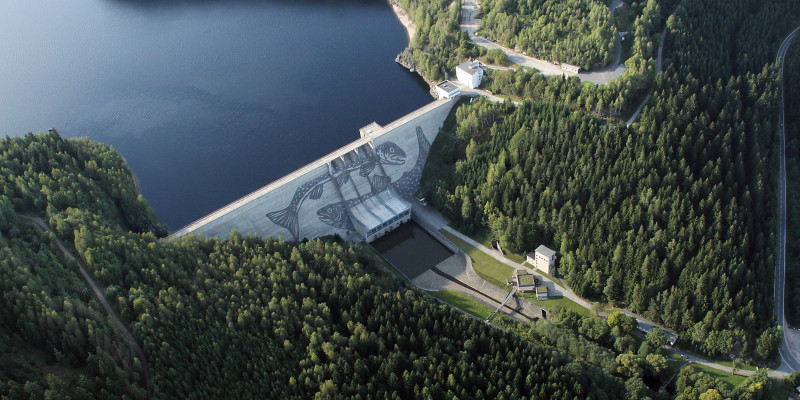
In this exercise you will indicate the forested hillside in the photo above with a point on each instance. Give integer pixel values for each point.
(238, 318)
(673, 217)
(792, 126)
(438, 45)
(578, 32)
(617, 98)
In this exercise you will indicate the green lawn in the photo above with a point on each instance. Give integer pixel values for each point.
(551, 303)
(733, 380)
(463, 302)
(514, 257)
(484, 237)
(486, 266)
(729, 364)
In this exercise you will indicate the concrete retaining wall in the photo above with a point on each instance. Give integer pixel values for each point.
(307, 203)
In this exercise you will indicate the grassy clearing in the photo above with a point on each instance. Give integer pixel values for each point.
(486, 266)
(557, 301)
(729, 364)
(515, 257)
(484, 237)
(496, 273)
(463, 302)
(727, 377)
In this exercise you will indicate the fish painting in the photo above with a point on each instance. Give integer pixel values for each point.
(388, 153)
(408, 183)
(336, 215)
(312, 189)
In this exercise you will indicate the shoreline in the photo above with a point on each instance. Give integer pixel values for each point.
(404, 18)
(411, 30)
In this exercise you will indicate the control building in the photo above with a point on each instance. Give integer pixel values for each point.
(543, 259)
(447, 90)
(470, 73)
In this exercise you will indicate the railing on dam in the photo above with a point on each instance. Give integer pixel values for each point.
(322, 161)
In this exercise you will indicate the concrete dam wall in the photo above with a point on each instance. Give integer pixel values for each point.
(356, 189)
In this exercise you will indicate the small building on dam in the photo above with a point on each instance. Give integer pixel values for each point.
(360, 191)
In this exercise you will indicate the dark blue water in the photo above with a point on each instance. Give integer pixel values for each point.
(411, 249)
(207, 100)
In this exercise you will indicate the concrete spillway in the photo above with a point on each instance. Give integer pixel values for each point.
(344, 192)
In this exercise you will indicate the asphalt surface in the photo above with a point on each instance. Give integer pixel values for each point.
(780, 265)
(568, 293)
(470, 24)
(100, 297)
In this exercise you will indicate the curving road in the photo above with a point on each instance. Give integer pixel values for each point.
(787, 351)
(100, 297)
(470, 24)
(566, 292)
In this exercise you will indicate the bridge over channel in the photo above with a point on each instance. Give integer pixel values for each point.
(359, 191)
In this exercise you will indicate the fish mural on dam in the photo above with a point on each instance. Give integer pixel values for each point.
(336, 214)
(408, 184)
(388, 153)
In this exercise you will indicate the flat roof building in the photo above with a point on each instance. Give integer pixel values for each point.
(470, 73)
(524, 281)
(376, 216)
(573, 69)
(541, 292)
(447, 90)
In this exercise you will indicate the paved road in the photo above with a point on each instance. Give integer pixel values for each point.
(100, 297)
(470, 24)
(568, 293)
(552, 288)
(787, 356)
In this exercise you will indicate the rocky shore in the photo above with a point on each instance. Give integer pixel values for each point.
(411, 29)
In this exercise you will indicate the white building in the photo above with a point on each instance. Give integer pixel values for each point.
(470, 73)
(543, 259)
(447, 90)
(573, 69)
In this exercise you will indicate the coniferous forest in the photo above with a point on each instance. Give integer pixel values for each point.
(579, 32)
(674, 216)
(237, 318)
(791, 86)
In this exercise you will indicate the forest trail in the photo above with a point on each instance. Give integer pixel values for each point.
(470, 24)
(100, 297)
(658, 71)
(789, 349)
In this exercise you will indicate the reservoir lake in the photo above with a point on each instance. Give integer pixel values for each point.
(207, 100)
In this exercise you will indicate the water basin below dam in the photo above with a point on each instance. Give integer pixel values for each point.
(411, 249)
